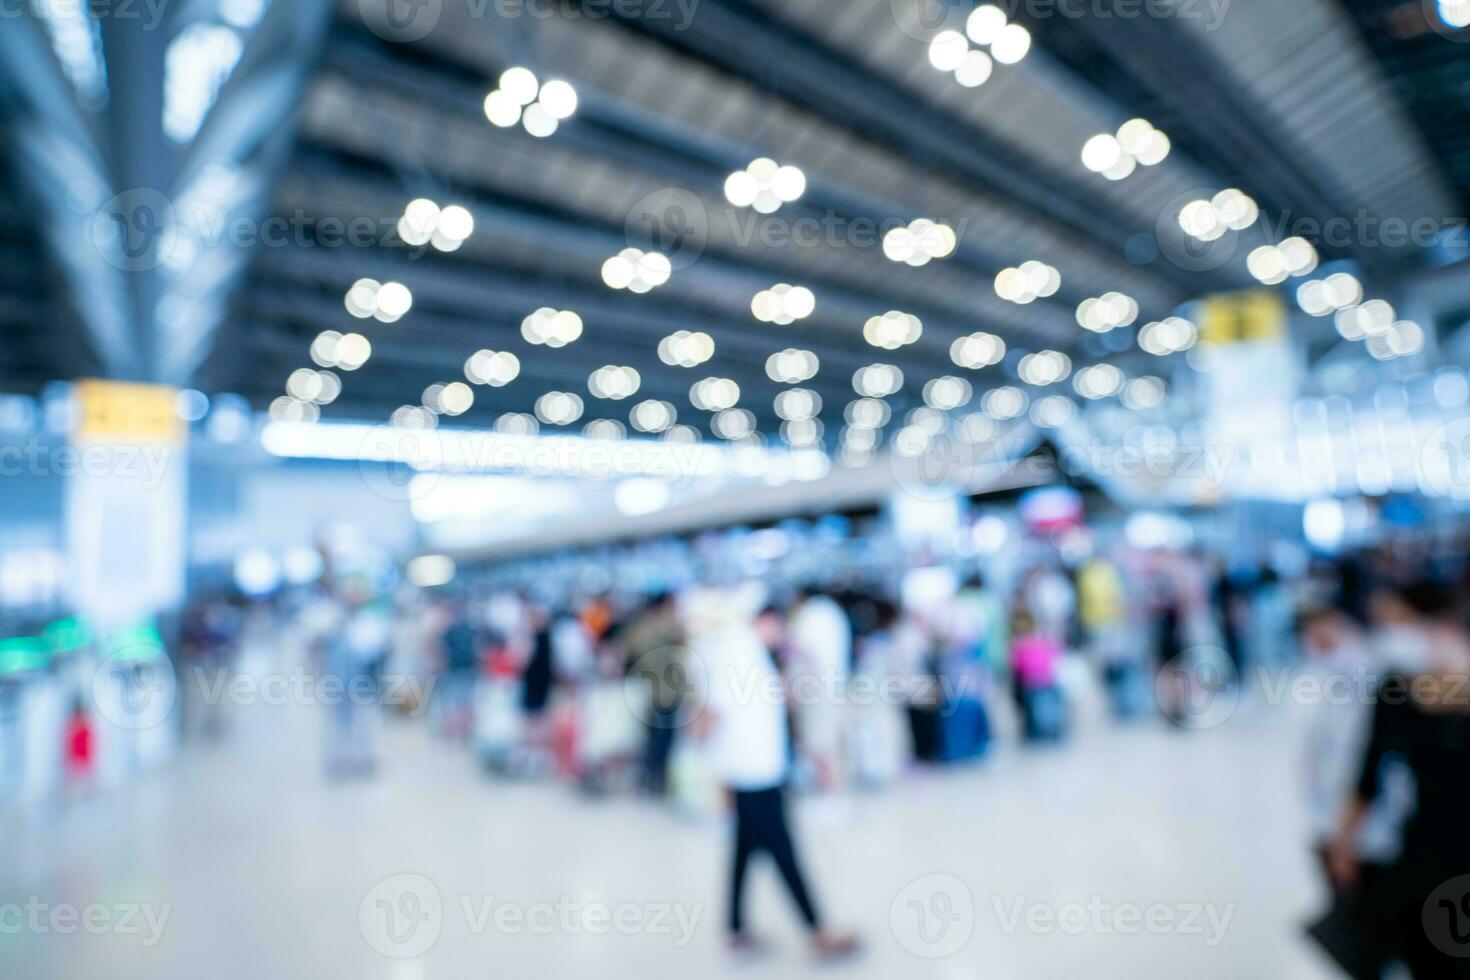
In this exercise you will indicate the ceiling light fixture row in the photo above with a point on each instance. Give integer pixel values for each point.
(521, 98)
(990, 29)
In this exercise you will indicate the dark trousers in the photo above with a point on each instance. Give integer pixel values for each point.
(662, 724)
(760, 825)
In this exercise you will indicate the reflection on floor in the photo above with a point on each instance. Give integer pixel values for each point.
(1131, 852)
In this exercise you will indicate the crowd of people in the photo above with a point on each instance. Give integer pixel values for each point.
(743, 691)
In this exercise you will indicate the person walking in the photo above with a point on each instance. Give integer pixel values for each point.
(744, 725)
(1417, 910)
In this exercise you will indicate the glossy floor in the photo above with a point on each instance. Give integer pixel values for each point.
(1130, 852)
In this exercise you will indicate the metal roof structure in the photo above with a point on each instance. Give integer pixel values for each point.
(325, 120)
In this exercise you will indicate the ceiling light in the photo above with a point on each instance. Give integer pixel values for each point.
(614, 382)
(714, 394)
(1053, 411)
(1144, 393)
(553, 328)
(1098, 381)
(783, 304)
(559, 408)
(1115, 156)
(604, 429)
(867, 413)
(1026, 283)
(1004, 403)
(792, 366)
(877, 380)
(919, 242)
(1044, 367)
(765, 185)
(653, 416)
(1107, 312)
(947, 393)
(636, 270)
(1168, 336)
(494, 368)
(893, 330)
(977, 350)
(353, 351)
(798, 403)
(684, 348)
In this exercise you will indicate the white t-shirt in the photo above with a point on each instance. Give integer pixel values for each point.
(748, 746)
(821, 638)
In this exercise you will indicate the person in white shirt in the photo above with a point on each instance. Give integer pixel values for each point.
(820, 641)
(744, 721)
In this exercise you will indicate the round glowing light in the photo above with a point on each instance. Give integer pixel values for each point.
(977, 351)
(947, 393)
(362, 298)
(394, 300)
(1011, 44)
(877, 380)
(456, 223)
(324, 348)
(559, 99)
(614, 382)
(1267, 265)
(538, 121)
(893, 330)
(948, 49)
(1101, 153)
(985, 24)
(304, 384)
(975, 70)
(1005, 403)
(353, 351)
(1053, 411)
(798, 403)
(502, 110)
(559, 408)
(456, 398)
(714, 394)
(1144, 393)
(520, 84)
(867, 413)
(684, 348)
(792, 366)
(653, 416)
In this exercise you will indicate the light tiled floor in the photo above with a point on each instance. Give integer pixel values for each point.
(265, 868)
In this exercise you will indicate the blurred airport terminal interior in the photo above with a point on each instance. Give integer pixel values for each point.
(667, 488)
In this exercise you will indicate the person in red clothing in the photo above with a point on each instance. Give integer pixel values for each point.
(80, 747)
